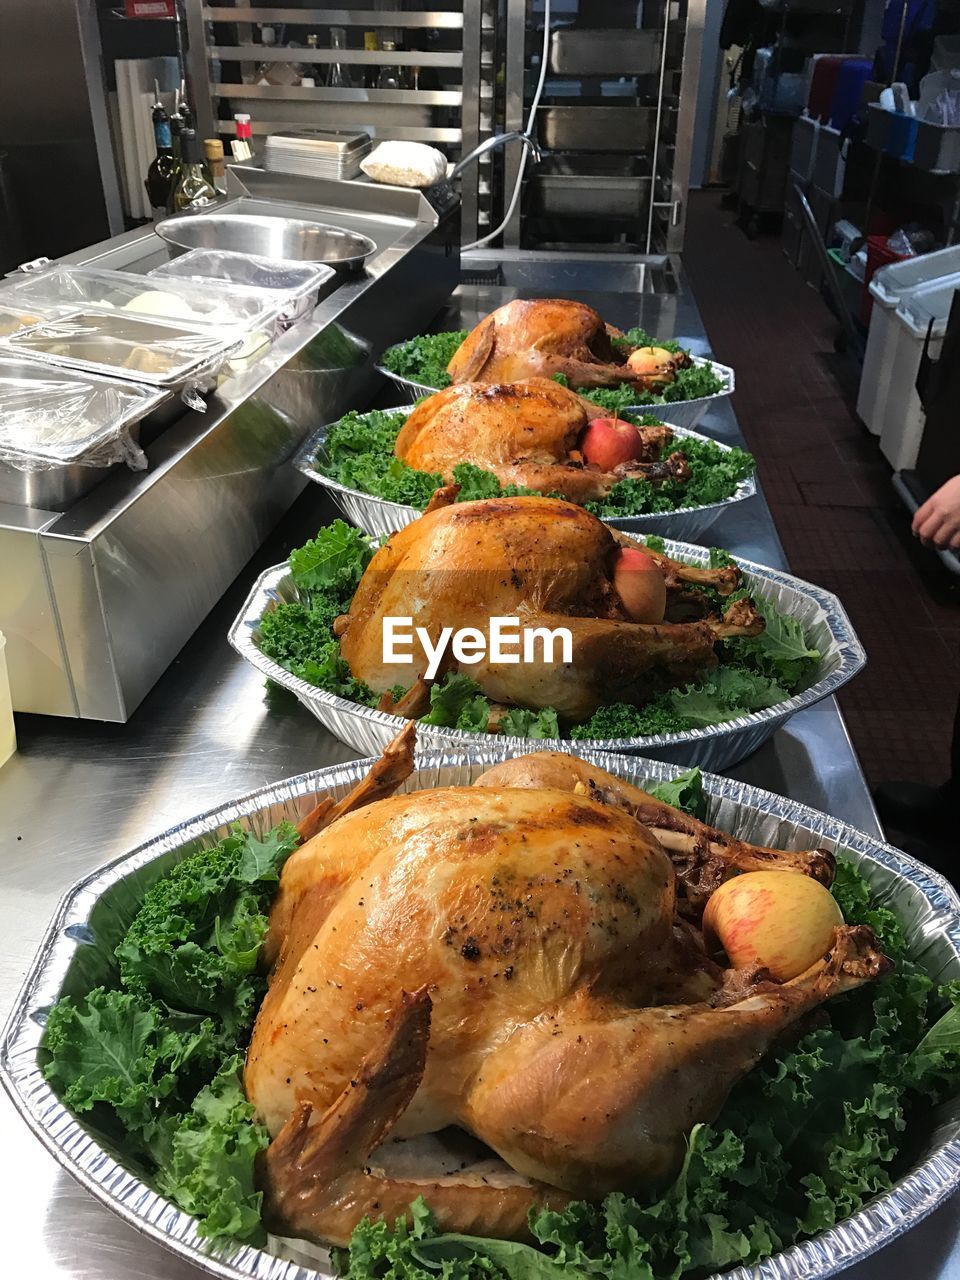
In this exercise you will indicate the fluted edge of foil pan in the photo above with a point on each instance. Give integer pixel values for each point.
(719, 746)
(679, 413)
(928, 906)
(378, 515)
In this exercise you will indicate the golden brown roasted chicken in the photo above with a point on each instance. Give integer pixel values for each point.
(507, 958)
(541, 337)
(527, 433)
(550, 564)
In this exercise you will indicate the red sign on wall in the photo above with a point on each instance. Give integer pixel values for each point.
(150, 8)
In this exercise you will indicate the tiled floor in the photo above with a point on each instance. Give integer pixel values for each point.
(829, 488)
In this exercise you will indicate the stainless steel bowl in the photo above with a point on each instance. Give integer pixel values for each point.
(290, 238)
(70, 959)
(378, 515)
(718, 746)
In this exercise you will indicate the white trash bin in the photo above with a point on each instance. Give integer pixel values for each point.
(903, 418)
(889, 286)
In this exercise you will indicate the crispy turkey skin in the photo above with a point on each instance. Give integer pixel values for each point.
(508, 959)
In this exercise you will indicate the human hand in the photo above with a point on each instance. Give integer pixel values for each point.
(937, 522)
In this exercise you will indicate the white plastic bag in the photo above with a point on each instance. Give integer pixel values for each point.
(405, 164)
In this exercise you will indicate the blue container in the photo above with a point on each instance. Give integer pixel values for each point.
(902, 135)
(848, 92)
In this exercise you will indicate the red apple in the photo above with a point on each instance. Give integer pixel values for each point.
(782, 920)
(608, 442)
(640, 584)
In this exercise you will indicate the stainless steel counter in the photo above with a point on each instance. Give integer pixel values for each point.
(78, 793)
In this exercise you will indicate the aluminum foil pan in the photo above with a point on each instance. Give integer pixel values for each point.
(377, 516)
(70, 962)
(679, 413)
(715, 747)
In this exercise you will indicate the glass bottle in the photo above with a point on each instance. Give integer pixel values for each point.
(389, 77)
(338, 77)
(159, 180)
(213, 154)
(371, 45)
(193, 190)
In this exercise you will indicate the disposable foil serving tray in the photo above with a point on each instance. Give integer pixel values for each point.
(717, 746)
(118, 344)
(679, 413)
(70, 961)
(377, 515)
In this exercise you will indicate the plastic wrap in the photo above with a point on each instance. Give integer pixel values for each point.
(159, 352)
(197, 303)
(53, 418)
(292, 286)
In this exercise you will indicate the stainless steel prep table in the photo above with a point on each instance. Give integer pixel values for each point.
(79, 793)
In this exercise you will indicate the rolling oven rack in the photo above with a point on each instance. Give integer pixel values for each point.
(615, 122)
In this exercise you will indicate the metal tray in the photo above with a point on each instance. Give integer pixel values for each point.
(568, 128)
(377, 515)
(604, 52)
(679, 413)
(715, 747)
(67, 962)
(94, 341)
(591, 185)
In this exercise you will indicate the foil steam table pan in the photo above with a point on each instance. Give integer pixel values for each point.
(717, 746)
(679, 413)
(378, 515)
(75, 955)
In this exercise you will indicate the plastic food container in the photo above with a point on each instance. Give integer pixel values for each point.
(922, 311)
(8, 734)
(60, 432)
(295, 287)
(888, 287)
(196, 303)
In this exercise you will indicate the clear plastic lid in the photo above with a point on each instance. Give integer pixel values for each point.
(929, 306)
(205, 302)
(287, 280)
(53, 417)
(159, 352)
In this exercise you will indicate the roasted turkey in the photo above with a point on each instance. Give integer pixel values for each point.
(551, 564)
(508, 958)
(527, 433)
(541, 337)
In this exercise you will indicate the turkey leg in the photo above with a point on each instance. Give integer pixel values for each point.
(611, 660)
(593, 1098)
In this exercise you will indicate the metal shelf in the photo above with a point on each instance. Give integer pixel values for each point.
(347, 57)
(453, 114)
(321, 93)
(371, 19)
